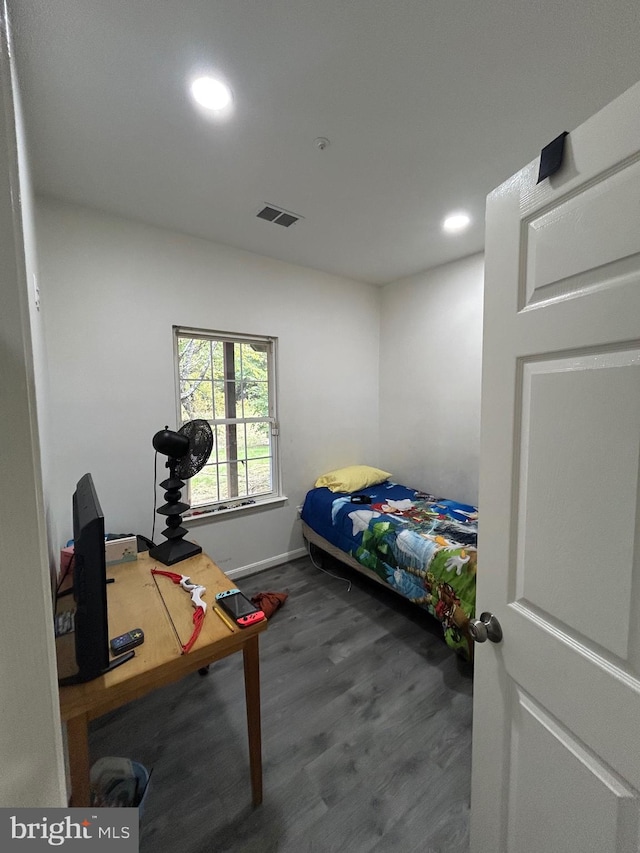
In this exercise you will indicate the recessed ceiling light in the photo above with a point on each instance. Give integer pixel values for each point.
(456, 222)
(211, 93)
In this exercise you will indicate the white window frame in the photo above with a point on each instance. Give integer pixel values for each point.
(243, 502)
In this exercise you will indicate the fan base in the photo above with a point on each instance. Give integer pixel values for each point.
(173, 551)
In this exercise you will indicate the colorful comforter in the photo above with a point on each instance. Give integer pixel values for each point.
(423, 546)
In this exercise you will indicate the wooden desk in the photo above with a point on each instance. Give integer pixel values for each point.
(134, 602)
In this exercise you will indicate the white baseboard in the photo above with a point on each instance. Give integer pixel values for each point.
(255, 568)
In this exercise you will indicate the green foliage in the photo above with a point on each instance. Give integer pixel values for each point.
(219, 380)
(222, 380)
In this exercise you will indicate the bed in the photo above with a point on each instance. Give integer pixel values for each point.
(422, 546)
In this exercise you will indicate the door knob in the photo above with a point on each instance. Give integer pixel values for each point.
(485, 628)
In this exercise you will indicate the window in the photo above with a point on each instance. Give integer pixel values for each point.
(229, 380)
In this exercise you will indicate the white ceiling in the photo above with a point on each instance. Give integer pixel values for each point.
(428, 105)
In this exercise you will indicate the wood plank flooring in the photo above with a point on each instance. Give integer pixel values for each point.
(366, 723)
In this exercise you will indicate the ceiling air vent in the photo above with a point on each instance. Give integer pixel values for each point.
(278, 215)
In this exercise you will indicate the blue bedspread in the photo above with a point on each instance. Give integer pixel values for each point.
(421, 545)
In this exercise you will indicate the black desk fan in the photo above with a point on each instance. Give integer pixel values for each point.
(188, 450)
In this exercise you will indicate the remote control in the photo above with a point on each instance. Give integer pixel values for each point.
(126, 642)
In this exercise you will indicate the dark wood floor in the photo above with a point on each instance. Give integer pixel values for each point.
(366, 718)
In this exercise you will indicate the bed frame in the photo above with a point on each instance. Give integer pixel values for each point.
(311, 536)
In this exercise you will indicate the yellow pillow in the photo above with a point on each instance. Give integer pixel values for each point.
(352, 479)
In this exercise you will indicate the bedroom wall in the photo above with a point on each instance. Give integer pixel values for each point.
(40, 367)
(430, 373)
(111, 290)
(30, 739)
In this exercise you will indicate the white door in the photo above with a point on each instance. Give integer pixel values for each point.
(556, 741)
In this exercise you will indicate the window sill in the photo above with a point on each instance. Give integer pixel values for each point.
(209, 514)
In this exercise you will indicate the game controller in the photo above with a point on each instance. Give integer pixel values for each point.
(239, 607)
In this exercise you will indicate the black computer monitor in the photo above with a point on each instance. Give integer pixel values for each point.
(90, 587)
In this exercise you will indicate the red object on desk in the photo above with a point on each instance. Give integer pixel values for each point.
(66, 565)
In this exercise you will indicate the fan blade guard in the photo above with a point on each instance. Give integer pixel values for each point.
(200, 436)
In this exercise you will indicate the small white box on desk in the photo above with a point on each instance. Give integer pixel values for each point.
(121, 550)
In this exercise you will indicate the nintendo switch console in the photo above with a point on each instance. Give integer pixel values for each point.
(242, 611)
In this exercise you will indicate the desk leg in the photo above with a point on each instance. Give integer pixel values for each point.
(252, 694)
(78, 744)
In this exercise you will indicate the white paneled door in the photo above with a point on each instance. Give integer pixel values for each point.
(556, 742)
